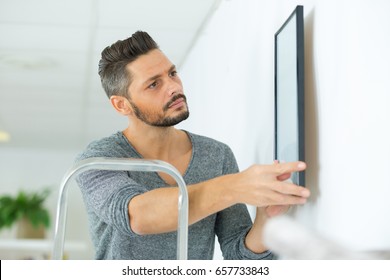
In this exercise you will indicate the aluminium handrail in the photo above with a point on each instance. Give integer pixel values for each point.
(125, 165)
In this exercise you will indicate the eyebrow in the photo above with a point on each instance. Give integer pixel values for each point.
(159, 75)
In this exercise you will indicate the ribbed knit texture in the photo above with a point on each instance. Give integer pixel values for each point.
(107, 194)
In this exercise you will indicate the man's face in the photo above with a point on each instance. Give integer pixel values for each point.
(156, 91)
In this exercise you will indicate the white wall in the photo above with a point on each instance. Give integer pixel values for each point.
(228, 78)
(33, 170)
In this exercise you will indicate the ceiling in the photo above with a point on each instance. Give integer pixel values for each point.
(50, 93)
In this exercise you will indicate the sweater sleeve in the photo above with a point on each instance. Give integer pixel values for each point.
(107, 194)
(233, 224)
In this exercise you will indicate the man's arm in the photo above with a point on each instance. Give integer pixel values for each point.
(156, 211)
(253, 241)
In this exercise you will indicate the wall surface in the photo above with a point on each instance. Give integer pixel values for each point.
(29, 170)
(228, 78)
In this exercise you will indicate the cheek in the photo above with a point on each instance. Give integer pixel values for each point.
(150, 101)
(151, 105)
(180, 83)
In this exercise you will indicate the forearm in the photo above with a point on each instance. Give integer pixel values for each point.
(253, 240)
(157, 212)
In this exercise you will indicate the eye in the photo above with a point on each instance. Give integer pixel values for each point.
(152, 85)
(173, 73)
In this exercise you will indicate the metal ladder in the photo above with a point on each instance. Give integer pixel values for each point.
(122, 164)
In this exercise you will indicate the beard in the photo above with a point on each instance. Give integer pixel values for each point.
(155, 119)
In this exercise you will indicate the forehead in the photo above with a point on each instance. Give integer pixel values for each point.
(148, 65)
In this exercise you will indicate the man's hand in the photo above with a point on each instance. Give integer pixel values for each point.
(265, 185)
(276, 210)
(280, 196)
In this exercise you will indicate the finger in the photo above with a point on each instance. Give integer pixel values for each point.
(284, 199)
(284, 177)
(288, 167)
(291, 189)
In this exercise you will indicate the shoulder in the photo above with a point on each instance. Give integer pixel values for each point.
(111, 146)
(208, 143)
(212, 157)
(212, 148)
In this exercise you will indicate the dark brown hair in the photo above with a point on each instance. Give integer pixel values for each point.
(112, 65)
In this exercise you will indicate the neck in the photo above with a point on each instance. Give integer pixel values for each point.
(154, 142)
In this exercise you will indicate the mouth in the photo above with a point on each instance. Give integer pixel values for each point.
(176, 102)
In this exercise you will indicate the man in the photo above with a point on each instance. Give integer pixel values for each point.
(133, 215)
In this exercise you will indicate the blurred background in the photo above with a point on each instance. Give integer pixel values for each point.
(52, 104)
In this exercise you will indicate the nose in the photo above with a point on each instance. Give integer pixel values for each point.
(174, 86)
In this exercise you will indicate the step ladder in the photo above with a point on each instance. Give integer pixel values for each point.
(122, 164)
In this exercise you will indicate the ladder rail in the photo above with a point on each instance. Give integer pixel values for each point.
(121, 164)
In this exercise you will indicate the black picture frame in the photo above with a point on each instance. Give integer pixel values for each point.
(289, 136)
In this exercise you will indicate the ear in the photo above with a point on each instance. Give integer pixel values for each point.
(121, 105)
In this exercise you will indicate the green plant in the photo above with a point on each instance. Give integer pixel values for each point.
(29, 205)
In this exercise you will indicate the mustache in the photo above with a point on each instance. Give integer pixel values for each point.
(176, 97)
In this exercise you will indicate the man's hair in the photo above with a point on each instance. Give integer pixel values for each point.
(112, 65)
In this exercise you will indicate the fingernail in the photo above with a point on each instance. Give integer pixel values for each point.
(301, 165)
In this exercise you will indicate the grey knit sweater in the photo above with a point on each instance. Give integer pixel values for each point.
(107, 194)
